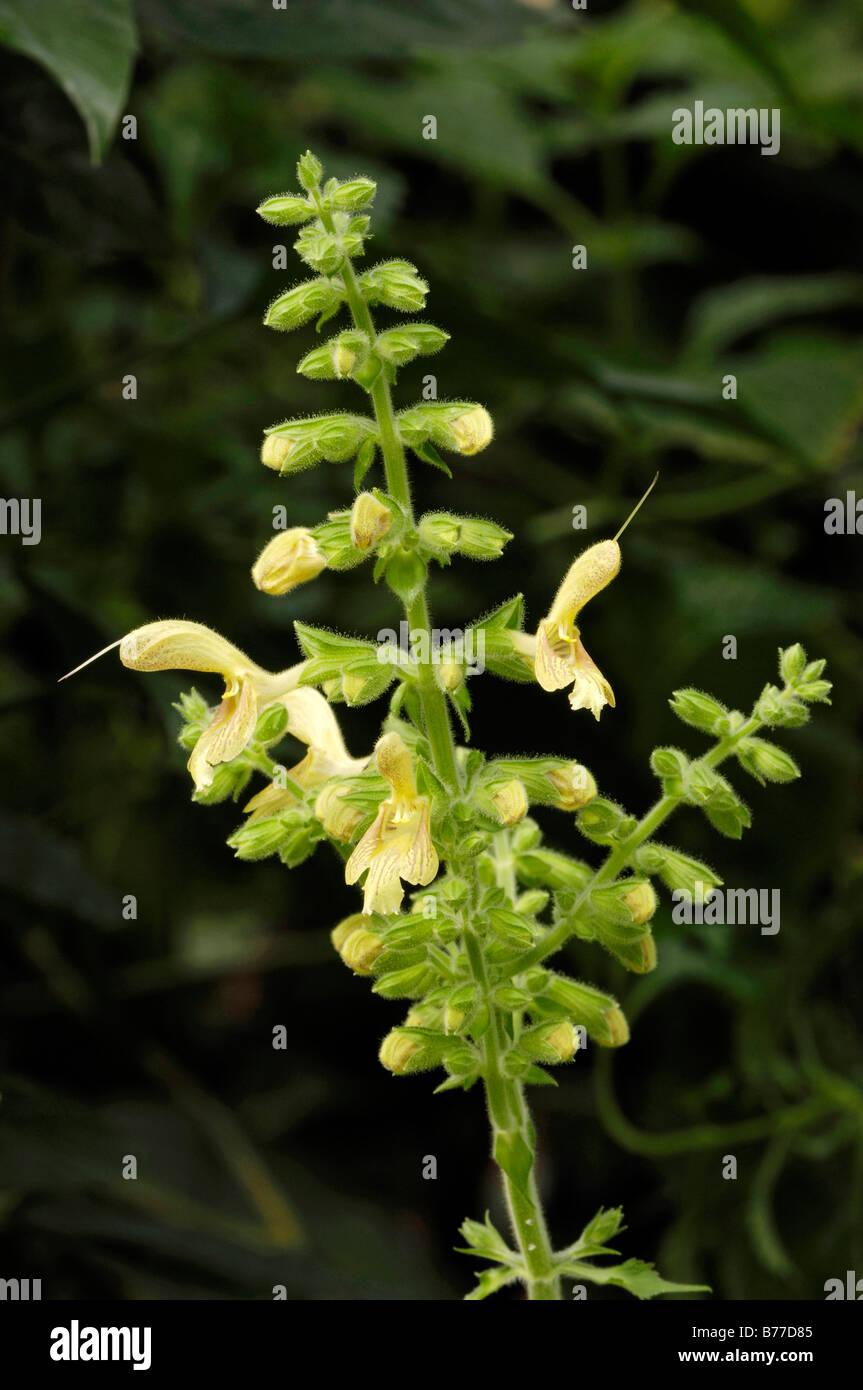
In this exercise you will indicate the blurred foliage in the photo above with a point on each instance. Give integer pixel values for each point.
(153, 1036)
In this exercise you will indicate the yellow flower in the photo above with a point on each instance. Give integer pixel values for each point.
(561, 658)
(289, 559)
(370, 520)
(472, 431)
(338, 818)
(311, 720)
(398, 844)
(175, 645)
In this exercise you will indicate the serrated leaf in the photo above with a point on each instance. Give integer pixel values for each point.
(636, 1276)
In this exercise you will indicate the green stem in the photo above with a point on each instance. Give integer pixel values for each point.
(510, 1121)
(619, 857)
(507, 1106)
(432, 699)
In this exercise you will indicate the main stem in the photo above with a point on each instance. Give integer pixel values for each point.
(507, 1106)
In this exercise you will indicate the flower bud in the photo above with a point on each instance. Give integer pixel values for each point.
(275, 450)
(340, 934)
(550, 1042)
(360, 949)
(574, 786)
(765, 761)
(295, 307)
(370, 520)
(352, 194)
(638, 956)
(482, 540)
(510, 802)
(453, 1018)
(290, 558)
(353, 687)
(286, 210)
(641, 902)
(450, 675)
(408, 983)
(471, 431)
(338, 818)
(440, 531)
(598, 1012)
(258, 839)
(398, 1051)
(309, 170)
(397, 284)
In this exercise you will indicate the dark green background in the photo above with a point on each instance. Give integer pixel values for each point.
(153, 1037)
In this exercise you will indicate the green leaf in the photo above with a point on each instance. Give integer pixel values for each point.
(87, 46)
(513, 1157)
(490, 1280)
(637, 1277)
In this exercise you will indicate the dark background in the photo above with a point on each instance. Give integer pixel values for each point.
(153, 1037)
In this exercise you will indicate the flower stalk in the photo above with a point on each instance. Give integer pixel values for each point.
(490, 902)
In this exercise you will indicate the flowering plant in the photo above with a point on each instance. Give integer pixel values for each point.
(493, 904)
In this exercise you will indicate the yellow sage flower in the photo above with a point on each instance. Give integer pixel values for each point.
(561, 657)
(398, 844)
(312, 720)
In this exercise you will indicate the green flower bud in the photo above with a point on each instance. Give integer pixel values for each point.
(271, 724)
(397, 284)
(440, 531)
(545, 868)
(599, 1013)
(286, 210)
(352, 194)
(765, 762)
(401, 345)
(297, 306)
(408, 983)
(699, 710)
(550, 1042)
(482, 540)
(512, 928)
(638, 956)
(679, 872)
(258, 839)
(792, 662)
(534, 901)
(229, 779)
(309, 171)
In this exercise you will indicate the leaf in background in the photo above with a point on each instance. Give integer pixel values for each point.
(722, 315)
(806, 392)
(334, 28)
(87, 46)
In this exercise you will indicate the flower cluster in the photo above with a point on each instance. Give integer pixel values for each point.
(490, 902)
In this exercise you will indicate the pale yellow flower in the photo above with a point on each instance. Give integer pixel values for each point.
(312, 720)
(290, 558)
(561, 658)
(176, 645)
(398, 844)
